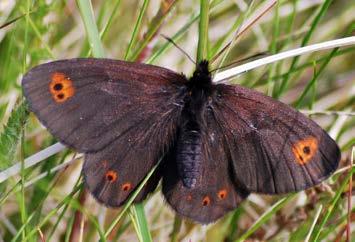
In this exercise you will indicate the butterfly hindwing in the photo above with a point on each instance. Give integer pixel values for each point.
(215, 192)
(88, 103)
(274, 148)
(113, 173)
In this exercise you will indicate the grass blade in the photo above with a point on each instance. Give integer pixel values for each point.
(87, 15)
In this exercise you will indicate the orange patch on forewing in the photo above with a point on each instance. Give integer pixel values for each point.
(189, 197)
(222, 194)
(61, 87)
(111, 176)
(126, 186)
(206, 201)
(305, 149)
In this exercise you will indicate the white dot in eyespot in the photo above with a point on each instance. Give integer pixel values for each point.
(252, 126)
(212, 135)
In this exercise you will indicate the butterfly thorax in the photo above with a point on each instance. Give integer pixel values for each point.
(189, 144)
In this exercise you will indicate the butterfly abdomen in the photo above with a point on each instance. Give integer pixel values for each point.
(188, 155)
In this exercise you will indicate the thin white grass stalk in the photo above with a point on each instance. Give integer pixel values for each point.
(31, 161)
(346, 168)
(284, 55)
(54, 169)
(41, 235)
(314, 223)
(339, 123)
(101, 216)
(7, 223)
(82, 223)
(328, 112)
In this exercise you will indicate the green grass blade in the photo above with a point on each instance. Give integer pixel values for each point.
(87, 15)
(330, 209)
(265, 217)
(131, 199)
(154, 26)
(273, 47)
(305, 40)
(202, 48)
(136, 30)
(10, 136)
(140, 221)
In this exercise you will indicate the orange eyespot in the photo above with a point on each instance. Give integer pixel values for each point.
(305, 149)
(126, 187)
(222, 194)
(61, 87)
(189, 197)
(111, 176)
(206, 201)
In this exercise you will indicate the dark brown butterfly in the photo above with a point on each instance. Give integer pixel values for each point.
(218, 142)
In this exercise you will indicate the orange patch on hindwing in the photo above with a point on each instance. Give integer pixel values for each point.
(111, 176)
(305, 149)
(222, 194)
(126, 186)
(61, 87)
(206, 201)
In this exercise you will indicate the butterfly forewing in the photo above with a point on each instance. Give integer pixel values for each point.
(88, 103)
(274, 148)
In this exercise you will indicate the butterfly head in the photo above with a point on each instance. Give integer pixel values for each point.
(202, 76)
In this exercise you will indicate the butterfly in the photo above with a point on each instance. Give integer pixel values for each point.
(218, 143)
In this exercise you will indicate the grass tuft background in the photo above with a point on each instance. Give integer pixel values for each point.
(46, 201)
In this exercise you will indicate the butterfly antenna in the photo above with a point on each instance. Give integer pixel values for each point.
(172, 41)
(248, 58)
(14, 20)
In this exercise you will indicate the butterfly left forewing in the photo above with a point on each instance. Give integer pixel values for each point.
(88, 103)
(274, 148)
(215, 192)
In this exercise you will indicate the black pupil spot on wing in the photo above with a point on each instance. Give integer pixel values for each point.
(58, 86)
(222, 194)
(306, 150)
(60, 96)
(206, 201)
(111, 176)
(126, 187)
